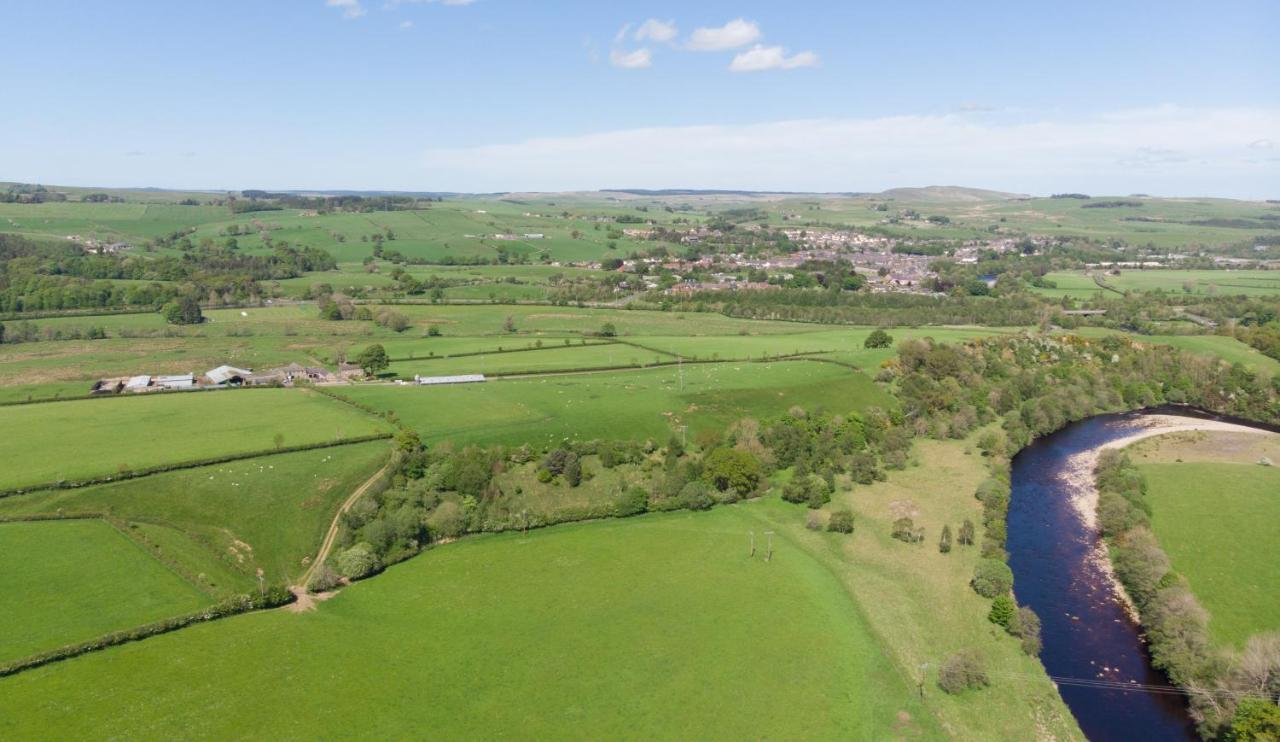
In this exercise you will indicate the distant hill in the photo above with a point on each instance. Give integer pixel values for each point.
(947, 194)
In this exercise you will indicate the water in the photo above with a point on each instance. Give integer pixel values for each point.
(1087, 633)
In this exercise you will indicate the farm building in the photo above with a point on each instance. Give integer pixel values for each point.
(178, 381)
(137, 384)
(108, 386)
(435, 380)
(228, 376)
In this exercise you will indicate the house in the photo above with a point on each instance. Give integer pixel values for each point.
(176, 382)
(108, 386)
(435, 380)
(227, 376)
(349, 371)
(266, 378)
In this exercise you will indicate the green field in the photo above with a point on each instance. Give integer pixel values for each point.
(99, 437)
(645, 628)
(621, 404)
(1218, 522)
(72, 580)
(1227, 348)
(550, 358)
(1188, 282)
(227, 521)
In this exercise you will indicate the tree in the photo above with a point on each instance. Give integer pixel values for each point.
(632, 502)
(184, 310)
(1255, 719)
(841, 521)
(278, 439)
(904, 529)
(694, 496)
(964, 670)
(373, 359)
(944, 542)
(1003, 609)
(607, 330)
(509, 324)
(1026, 626)
(358, 561)
(732, 470)
(878, 339)
(573, 471)
(1, 332)
(966, 535)
(992, 577)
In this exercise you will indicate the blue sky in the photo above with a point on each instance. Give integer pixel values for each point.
(1170, 97)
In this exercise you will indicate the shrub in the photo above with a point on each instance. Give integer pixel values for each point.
(841, 521)
(904, 529)
(1003, 610)
(358, 561)
(632, 502)
(813, 520)
(991, 578)
(1026, 626)
(966, 536)
(447, 521)
(878, 339)
(324, 579)
(694, 496)
(944, 541)
(964, 670)
(545, 476)
(809, 489)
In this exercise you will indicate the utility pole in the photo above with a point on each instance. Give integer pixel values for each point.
(769, 556)
(752, 534)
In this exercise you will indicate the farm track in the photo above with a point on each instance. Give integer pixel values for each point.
(332, 534)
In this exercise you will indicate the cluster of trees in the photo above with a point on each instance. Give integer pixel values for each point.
(1177, 626)
(1036, 385)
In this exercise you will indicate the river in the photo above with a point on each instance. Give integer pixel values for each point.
(1055, 556)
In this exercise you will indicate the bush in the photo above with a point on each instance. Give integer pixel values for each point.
(324, 579)
(731, 469)
(1003, 610)
(878, 339)
(841, 521)
(359, 561)
(1026, 626)
(944, 541)
(810, 489)
(964, 670)
(904, 529)
(447, 521)
(694, 496)
(632, 502)
(992, 578)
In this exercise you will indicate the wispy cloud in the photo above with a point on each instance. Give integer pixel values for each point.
(634, 60)
(350, 8)
(1159, 150)
(759, 58)
(406, 25)
(659, 32)
(733, 35)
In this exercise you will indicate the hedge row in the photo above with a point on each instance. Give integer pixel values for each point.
(272, 597)
(129, 531)
(546, 346)
(191, 464)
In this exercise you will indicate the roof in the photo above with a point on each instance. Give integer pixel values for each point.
(223, 374)
(464, 379)
(138, 382)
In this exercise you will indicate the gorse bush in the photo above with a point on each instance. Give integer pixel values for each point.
(992, 578)
(962, 671)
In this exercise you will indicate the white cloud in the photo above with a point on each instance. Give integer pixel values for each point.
(759, 58)
(638, 59)
(350, 8)
(732, 35)
(657, 31)
(406, 25)
(1165, 150)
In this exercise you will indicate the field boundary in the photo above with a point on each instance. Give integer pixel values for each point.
(380, 478)
(502, 351)
(182, 465)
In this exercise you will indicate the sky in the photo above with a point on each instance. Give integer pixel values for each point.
(1118, 97)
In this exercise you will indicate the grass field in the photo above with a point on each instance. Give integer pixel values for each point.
(70, 581)
(918, 601)
(550, 358)
(90, 438)
(229, 520)
(1213, 507)
(1200, 282)
(620, 404)
(644, 628)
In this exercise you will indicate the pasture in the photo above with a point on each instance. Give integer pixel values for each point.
(558, 633)
(80, 439)
(229, 520)
(635, 405)
(68, 581)
(550, 358)
(1254, 283)
(1221, 346)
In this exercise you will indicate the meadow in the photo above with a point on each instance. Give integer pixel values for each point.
(1255, 283)
(72, 580)
(229, 520)
(80, 439)
(1226, 348)
(1214, 521)
(557, 633)
(550, 358)
(635, 405)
